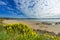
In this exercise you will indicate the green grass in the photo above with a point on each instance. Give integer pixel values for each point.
(22, 32)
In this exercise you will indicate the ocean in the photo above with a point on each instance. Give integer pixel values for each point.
(40, 19)
(36, 19)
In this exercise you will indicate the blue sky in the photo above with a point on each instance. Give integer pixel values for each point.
(8, 9)
(30, 8)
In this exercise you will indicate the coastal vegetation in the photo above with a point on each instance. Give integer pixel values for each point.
(21, 31)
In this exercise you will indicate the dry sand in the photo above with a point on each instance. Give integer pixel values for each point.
(36, 25)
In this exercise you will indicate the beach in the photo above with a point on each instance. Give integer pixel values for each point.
(37, 25)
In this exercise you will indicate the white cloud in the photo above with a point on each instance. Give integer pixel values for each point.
(41, 9)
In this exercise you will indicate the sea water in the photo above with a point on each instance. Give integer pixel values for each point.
(41, 19)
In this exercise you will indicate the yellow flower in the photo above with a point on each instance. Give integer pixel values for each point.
(33, 33)
(46, 35)
(52, 36)
(11, 24)
(4, 25)
(10, 27)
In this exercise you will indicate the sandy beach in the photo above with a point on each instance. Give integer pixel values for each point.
(36, 25)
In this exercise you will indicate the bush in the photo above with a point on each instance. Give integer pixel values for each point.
(23, 32)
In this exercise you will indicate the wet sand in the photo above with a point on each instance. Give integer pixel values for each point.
(37, 25)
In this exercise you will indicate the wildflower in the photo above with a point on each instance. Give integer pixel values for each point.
(4, 25)
(52, 36)
(33, 33)
(10, 27)
(46, 35)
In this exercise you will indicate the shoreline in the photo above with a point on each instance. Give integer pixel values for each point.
(37, 25)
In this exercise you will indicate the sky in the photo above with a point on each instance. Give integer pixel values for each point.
(30, 8)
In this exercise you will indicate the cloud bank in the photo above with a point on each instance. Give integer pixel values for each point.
(39, 8)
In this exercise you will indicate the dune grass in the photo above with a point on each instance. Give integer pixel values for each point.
(22, 32)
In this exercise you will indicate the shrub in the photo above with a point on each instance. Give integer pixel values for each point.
(23, 32)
